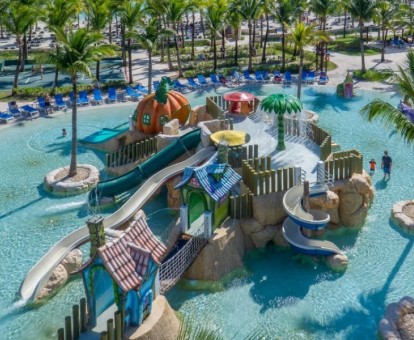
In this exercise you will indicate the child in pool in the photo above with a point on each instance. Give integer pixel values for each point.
(372, 165)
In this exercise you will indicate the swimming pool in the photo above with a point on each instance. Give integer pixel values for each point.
(279, 293)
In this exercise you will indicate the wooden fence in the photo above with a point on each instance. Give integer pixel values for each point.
(216, 107)
(343, 164)
(323, 139)
(131, 153)
(77, 323)
(236, 155)
(261, 179)
(241, 206)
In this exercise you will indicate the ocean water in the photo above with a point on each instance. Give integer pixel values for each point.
(280, 292)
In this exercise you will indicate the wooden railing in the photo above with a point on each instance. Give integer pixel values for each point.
(77, 323)
(216, 107)
(236, 155)
(323, 139)
(261, 179)
(131, 153)
(241, 206)
(343, 164)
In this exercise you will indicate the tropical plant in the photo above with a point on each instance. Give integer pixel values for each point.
(78, 49)
(362, 10)
(384, 14)
(388, 114)
(304, 35)
(148, 37)
(234, 19)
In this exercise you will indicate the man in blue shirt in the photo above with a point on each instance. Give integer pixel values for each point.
(386, 165)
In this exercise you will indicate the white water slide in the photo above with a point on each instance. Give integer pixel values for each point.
(298, 219)
(37, 277)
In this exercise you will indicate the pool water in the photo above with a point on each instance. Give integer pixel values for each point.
(281, 293)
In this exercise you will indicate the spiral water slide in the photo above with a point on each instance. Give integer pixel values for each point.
(300, 219)
(136, 176)
(37, 277)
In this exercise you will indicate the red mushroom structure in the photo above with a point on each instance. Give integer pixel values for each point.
(239, 102)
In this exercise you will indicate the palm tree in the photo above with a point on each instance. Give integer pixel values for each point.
(362, 10)
(249, 10)
(79, 48)
(304, 35)
(234, 19)
(175, 11)
(280, 104)
(148, 37)
(132, 13)
(390, 115)
(384, 14)
(214, 16)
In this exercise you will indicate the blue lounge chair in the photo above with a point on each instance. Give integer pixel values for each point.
(41, 103)
(13, 109)
(288, 78)
(178, 86)
(236, 79)
(5, 117)
(304, 76)
(155, 83)
(247, 77)
(83, 98)
(323, 78)
(193, 84)
(215, 80)
(131, 94)
(310, 78)
(259, 76)
(30, 110)
(112, 97)
(78, 102)
(203, 82)
(97, 96)
(141, 89)
(59, 102)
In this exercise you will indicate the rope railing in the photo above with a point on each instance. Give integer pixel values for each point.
(172, 270)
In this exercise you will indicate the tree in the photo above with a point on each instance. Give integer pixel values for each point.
(389, 115)
(214, 16)
(304, 35)
(18, 21)
(148, 37)
(362, 10)
(384, 14)
(234, 19)
(280, 104)
(79, 48)
(249, 10)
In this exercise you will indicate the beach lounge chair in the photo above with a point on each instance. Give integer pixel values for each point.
(288, 78)
(41, 103)
(178, 86)
(97, 96)
(83, 98)
(131, 94)
(236, 78)
(141, 88)
(304, 76)
(193, 84)
(310, 78)
(265, 76)
(78, 102)
(112, 97)
(59, 102)
(215, 80)
(323, 78)
(5, 117)
(259, 76)
(29, 110)
(203, 82)
(13, 109)
(155, 83)
(277, 77)
(247, 77)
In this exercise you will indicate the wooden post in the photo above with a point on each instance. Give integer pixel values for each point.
(306, 194)
(269, 163)
(273, 179)
(75, 316)
(83, 317)
(261, 183)
(118, 325)
(256, 164)
(104, 335)
(61, 334)
(279, 180)
(250, 152)
(267, 182)
(68, 328)
(255, 180)
(285, 178)
(110, 329)
(291, 177)
(256, 151)
(232, 207)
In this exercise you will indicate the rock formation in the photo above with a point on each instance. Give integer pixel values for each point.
(398, 321)
(337, 262)
(403, 214)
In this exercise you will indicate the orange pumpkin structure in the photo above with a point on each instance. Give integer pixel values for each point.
(157, 109)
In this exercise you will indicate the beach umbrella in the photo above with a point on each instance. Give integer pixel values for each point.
(279, 104)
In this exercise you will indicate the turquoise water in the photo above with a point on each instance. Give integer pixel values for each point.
(280, 293)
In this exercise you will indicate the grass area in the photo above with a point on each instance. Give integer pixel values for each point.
(373, 75)
(350, 46)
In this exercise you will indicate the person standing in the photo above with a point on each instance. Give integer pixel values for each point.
(386, 165)
(372, 165)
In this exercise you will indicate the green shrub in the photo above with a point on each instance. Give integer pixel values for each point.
(372, 75)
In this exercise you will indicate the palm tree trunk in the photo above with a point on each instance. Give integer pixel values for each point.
(361, 44)
(344, 34)
(73, 154)
(193, 37)
(149, 70)
(131, 80)
(281, 131)
(55, 83)
(124, 61)
(223, 43)
(236, 46)
(182, 35)
(283, 48)
(16, 74)
(265, 39)
(202, 25)
(383, 45)
(261, 31)
(301, 57)
(98, 64)
(214, 51)
(110, 30)
(169, 62)
(180, 71)
(254, 33)
(250, 67)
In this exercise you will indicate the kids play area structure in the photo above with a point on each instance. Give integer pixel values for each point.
(129, 266)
